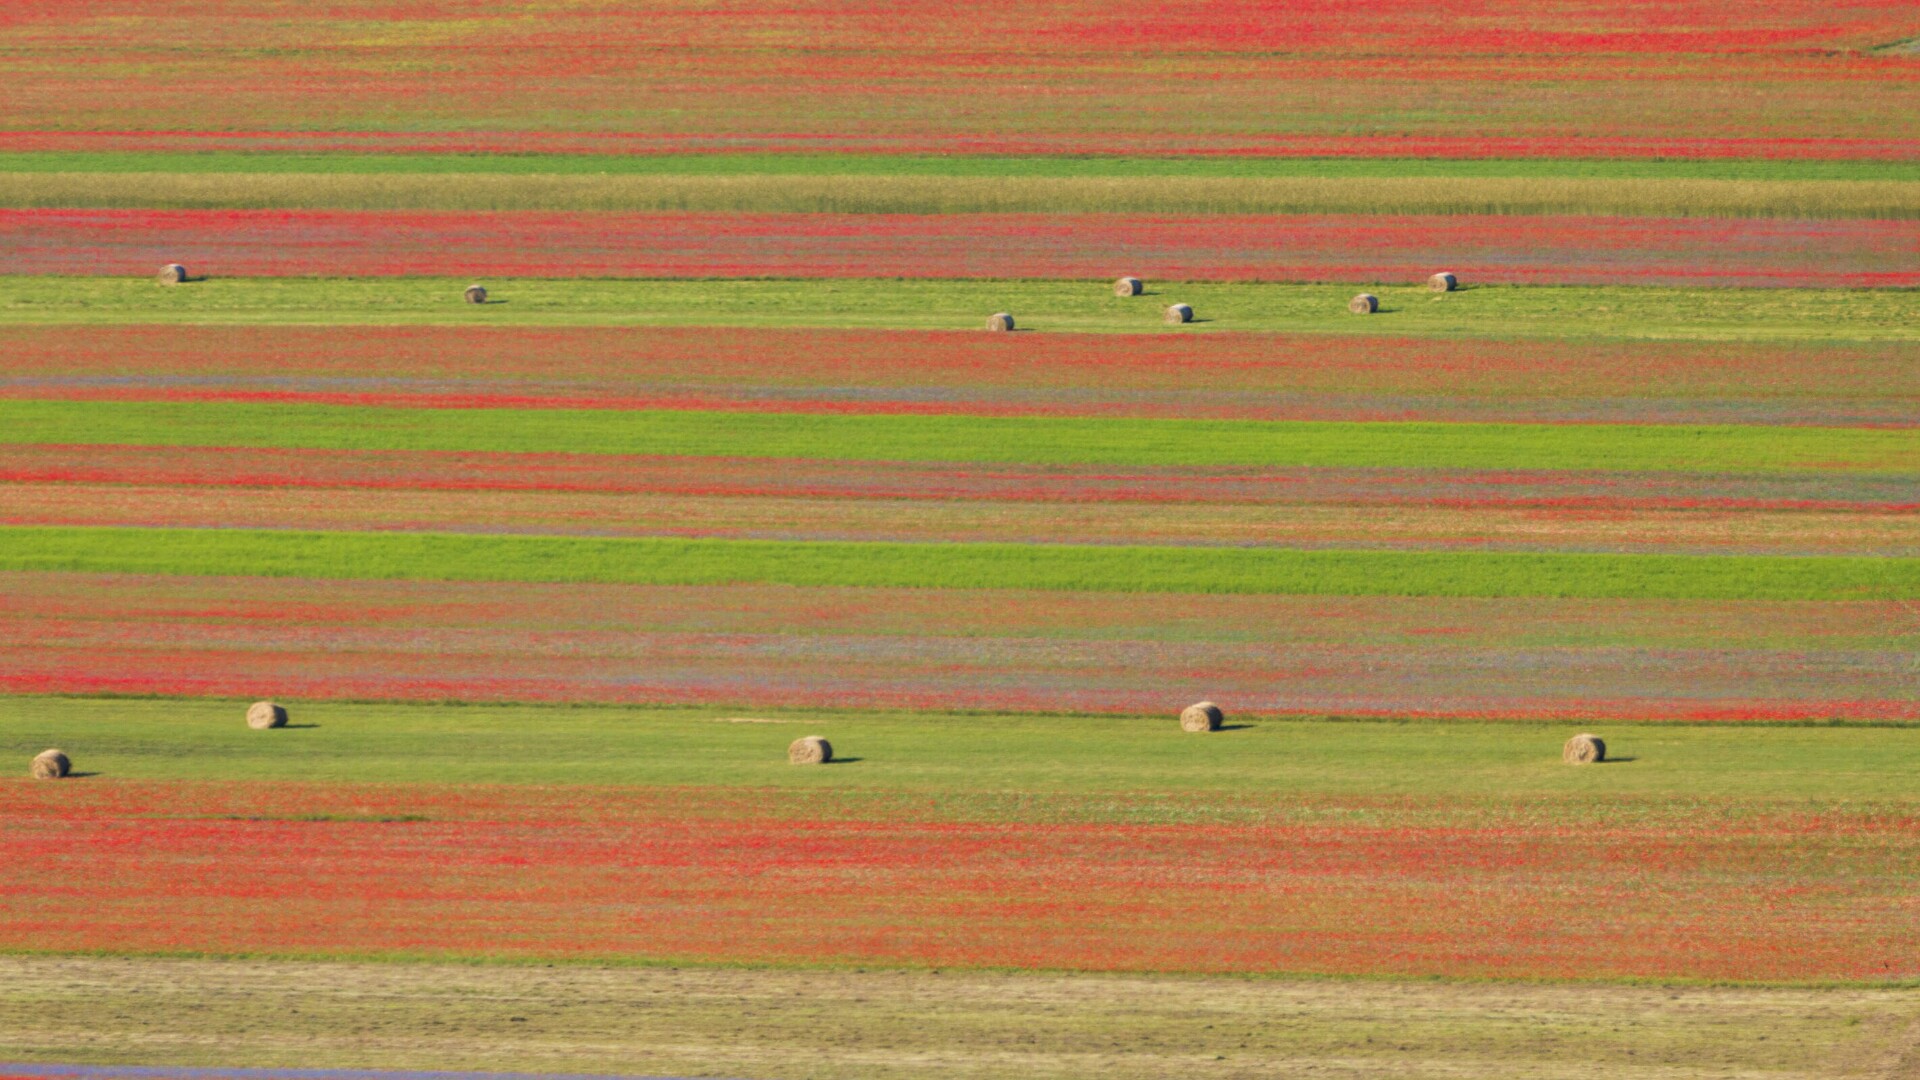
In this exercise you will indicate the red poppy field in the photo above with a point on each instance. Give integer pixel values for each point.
(1679, 79)
(1414, 890)
(550, 575)
(1256, 376)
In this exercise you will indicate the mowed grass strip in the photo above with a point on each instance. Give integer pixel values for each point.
(991, 767)
(907, 193)
(1567, 312)
(960, 438)
(675, 561)
(903, 1025)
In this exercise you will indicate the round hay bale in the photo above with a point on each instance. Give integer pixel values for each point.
(262, 715)
(51, 765)
(1202, 716)
(1364, 304)
(1001, 321)
(1584, 750)
(1179, 313)
(1443, 282)
(810, 750)
(476, 294)
(173, 274)
(1129, 286)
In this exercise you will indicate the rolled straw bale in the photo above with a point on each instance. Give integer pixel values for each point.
(810, 750)
(1443, 282)
(51, 765)
(1001, 321)
(1129, 286)
(1584, 750)
(1202, 716)
(172, 274)
(476, 294)
(1364, 304)
(1179, 313)
(262, 715)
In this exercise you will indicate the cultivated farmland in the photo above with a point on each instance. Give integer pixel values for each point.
(548, 574)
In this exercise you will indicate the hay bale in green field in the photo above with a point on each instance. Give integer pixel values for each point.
(810, 750)
(172, 274)
(1129, 286)
(1364, 304)
(1000, 322)
(1584, 750)
(1202, 716)
(1179, 313)
(476, 294)
(262, 715)
(51, 765)
(1443, 282)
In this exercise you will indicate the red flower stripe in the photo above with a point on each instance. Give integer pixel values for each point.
(1562, 77)
(1706, 894)
(1253, 376)
(990, 32)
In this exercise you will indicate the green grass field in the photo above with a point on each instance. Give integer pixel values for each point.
(674, 561)
(996, 767)
(1021, 439)
(1575, 312)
